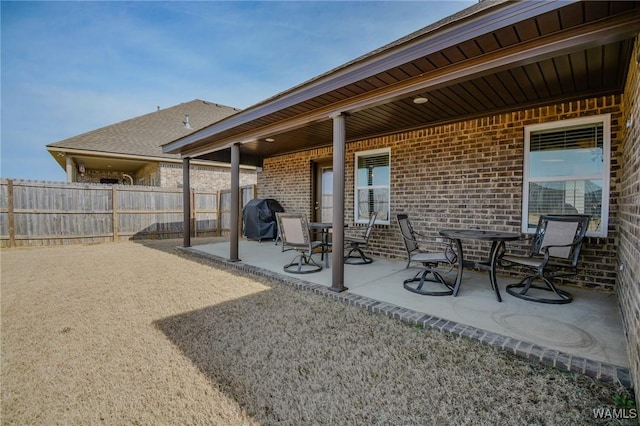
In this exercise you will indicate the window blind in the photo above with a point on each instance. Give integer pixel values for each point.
(568, 138)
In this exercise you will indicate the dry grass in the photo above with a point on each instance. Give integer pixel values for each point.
(138, 333)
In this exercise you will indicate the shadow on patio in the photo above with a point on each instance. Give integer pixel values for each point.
(584, 336)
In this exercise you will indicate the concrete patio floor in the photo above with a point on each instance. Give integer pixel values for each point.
(585, 335)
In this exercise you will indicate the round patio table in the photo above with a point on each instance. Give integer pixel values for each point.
(497, 239)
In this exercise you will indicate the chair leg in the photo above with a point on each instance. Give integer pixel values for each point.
(421, 278)
(301, 262)
(563, 296)
(360, 258)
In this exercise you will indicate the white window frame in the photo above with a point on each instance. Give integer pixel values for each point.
(356, 187)
(605, 120)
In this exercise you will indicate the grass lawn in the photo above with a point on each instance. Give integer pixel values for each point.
(140, 333)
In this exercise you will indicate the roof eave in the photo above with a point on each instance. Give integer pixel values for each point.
(496, 16)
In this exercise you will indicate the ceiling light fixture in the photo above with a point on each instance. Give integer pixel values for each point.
(420, 100)
(270, 140)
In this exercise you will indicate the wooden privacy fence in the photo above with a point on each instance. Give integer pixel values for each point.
(45, 213)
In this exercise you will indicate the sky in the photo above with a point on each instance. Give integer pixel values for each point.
(71, 67)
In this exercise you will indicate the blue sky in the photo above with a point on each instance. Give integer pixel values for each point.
(71, 67)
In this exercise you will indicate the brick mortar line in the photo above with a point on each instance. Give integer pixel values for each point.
(608, 373)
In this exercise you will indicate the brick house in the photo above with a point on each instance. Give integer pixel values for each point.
(130, 152)
(485, 119)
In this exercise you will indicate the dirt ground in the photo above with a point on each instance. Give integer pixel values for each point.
(141, 333)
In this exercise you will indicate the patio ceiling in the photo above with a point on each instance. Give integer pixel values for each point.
(490, 58)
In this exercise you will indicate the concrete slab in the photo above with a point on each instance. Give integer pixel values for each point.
(590, 327)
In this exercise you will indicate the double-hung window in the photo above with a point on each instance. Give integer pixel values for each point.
(566, 171)
(372, 185)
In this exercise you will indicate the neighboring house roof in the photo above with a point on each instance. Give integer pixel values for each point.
(143, 136)
(495, 56)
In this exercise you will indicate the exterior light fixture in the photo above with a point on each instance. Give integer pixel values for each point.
(420, 100)
(270, 140)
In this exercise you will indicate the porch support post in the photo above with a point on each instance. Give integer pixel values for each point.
(235, 203)
(69, 168)
(337, 264)
(186, 203)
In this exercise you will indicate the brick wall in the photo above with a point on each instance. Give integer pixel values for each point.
(149, 175)
(628, 287)
(288, 179)
(466, 174)
(202, 178)
(169, 175)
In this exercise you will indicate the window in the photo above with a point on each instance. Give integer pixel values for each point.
(566, 170)
(372, 185)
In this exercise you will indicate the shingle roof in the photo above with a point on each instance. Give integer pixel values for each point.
(145, 134)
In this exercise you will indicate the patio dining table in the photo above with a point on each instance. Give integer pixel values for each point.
(324, 227)
(497, 239)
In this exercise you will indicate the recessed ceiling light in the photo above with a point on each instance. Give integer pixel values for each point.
(420, 100)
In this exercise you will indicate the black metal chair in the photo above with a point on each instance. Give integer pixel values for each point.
(429, 261)
(355, 255)
(294, 232)
(554, 252)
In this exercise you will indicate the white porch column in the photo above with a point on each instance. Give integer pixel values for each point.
(337, 264)
(69, 168)
(186, 203)
(235, 203)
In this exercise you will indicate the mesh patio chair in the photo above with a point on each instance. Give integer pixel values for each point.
(554, 252)
(355, 244)
(428, 260)
(294, 232)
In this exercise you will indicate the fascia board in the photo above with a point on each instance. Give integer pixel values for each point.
(80, 152)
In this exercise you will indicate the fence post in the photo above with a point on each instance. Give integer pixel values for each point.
(114, 212)
(11, 218)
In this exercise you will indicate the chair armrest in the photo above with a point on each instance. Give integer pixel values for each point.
(517, 243)
(514, 245)
(447, 245)
(428, 238)
(545, 249)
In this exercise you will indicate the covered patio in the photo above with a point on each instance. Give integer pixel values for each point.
(584, 336)
(447, 114)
